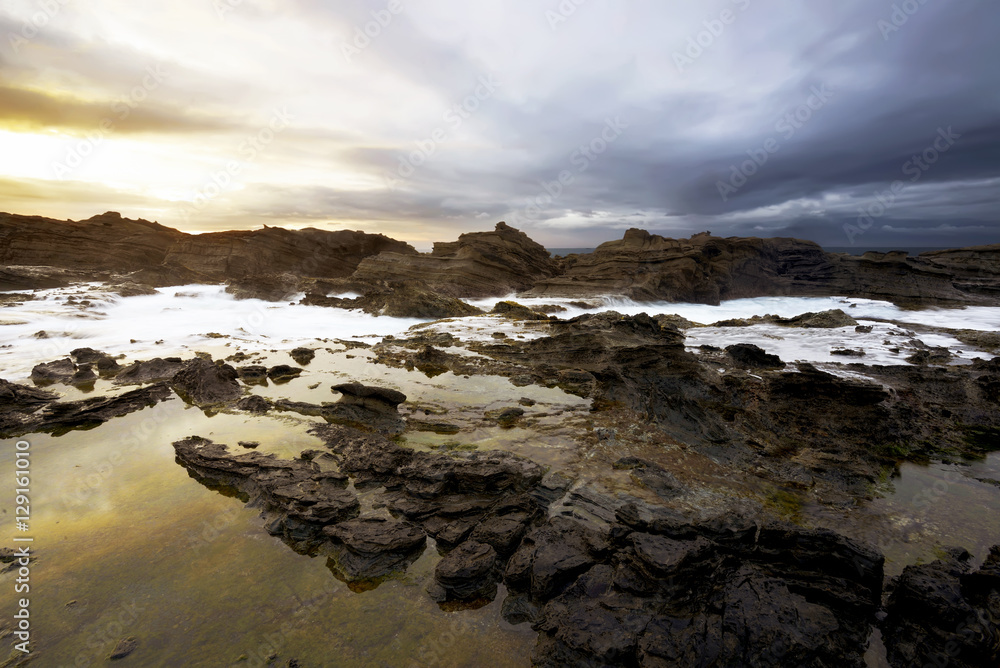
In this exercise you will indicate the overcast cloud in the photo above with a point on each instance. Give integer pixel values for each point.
(869, 122)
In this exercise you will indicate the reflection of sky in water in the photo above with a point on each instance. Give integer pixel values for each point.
(205, 581)
(938, 506)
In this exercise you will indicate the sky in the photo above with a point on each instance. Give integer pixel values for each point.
(847, 122)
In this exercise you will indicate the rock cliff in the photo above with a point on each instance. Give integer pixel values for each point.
(479, 264)
(165, 256)
(707, 269)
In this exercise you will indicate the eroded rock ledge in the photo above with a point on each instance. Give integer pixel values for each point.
(605, 581)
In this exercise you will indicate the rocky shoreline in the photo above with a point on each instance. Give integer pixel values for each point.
(670, 534)
(277, 264)
(605, 578)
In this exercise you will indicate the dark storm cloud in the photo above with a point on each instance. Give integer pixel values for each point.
(881, 95)
(843, 98)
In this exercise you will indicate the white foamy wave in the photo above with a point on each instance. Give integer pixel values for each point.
(984, 318)
(179, 316)
(885, 344)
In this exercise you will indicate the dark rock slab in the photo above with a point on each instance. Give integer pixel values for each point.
(468, 572)
(254, 404)
(207, 383)
(943, 613)
(58, 371)
(283, 372)
(749, 356)
(373, 547)
(149, 371)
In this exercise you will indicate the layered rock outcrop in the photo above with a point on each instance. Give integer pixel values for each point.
(105, 242)
(164, 256)
(707, 269)
(479, 264)
(275, 250)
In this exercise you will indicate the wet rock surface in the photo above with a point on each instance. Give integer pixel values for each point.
(646, 586)
(25, 410)
(750, 356)
(207, 383)
(373, 547)
(149, 371)
(945, 613)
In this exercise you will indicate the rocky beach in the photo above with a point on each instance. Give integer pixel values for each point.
(277, 446)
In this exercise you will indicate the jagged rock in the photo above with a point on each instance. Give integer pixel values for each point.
(56, 252)
(400, 300)
(274, 250)
(671, 320)
(24, 417)
(506, 417)
(789, 598)
(928, 354)
(552, 556)
(468, 572)
(479, 264)
(515, 311)
(372, 547)
(370, 396)
(847, 352)
(84, 375)
(753, 357)
(282, 372)
(125, 288)
(823, 320)
(707, 269)
(502, 532)
(150, 371)
(301, 498)
(23, 398)
(106, 242)
(253, 374)
(941, 613)
(207, 383)
(58, 371)
(254, 404)
(303, 356)
(87, 355)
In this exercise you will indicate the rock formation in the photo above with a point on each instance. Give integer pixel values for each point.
(161, 255)
(479, 264)
(276, 263)
(707, 269)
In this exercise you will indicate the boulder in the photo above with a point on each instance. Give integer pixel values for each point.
(207, 383)
(478, 264)
(943, 612)
(749, 356)
(468, 572)
(373, 547)
(150, 371)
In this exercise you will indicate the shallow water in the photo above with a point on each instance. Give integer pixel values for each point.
(924, 509)
(129, 545)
